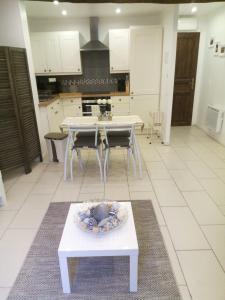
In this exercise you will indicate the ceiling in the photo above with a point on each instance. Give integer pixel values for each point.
(39, 9)
(203, 8)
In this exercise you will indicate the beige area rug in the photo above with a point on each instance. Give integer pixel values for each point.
(96, 278)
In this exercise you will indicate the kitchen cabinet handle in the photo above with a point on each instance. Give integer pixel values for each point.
(50, 70)
(44, 70)
(79, 107)
(132, 93)
(71, 101)
(56, 112)
(132, 97)
(120, 99)
(51, 107)
(111, 68)
(78, 70)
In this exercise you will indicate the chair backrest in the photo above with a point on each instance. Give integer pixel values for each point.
(84, 128)
(121, 128)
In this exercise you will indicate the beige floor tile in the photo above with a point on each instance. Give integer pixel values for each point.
(167, 193)
(215, 235)
(184, 230)
(212, 160)
(157, 209)
(17, 195)
(220, 173)
(4, 292)
(28, 218)
(186, 154)
(157, 170)
(36, 173)
(216, 189)
(14, 246)
(37, 201)
(204, 275)
(6, 218)
(140, 196)
(67, 195)
(184, 292)
(91, 197)
(173, 256)
(185, 180)
(92, 188)
(204, 209)
(173, 162)
(200, 170)
(222, 209)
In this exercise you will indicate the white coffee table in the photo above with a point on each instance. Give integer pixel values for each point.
(77, 243)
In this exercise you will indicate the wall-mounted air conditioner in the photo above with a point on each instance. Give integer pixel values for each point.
(214, 119)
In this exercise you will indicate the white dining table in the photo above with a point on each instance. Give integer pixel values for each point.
(116, 121)
(71, 122)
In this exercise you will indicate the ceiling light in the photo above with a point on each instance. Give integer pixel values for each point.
(194, 9)
(64, 12)
(118, 10)
(56, 2)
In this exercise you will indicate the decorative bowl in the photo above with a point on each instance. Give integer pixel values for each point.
(101, 217)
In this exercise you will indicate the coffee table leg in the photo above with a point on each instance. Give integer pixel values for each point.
(133, 272)
(64, 274)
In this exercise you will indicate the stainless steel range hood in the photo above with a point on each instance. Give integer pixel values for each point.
(94, 44)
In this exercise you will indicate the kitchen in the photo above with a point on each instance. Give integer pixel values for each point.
(115, 55)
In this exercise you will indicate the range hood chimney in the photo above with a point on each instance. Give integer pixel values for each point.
(94, 44)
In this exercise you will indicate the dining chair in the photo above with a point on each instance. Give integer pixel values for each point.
(119, 137)
(85, 137)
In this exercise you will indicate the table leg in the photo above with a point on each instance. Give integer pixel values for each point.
(133, 272)
(65, 278)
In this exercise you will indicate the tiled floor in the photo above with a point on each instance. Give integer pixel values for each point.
(185, 181)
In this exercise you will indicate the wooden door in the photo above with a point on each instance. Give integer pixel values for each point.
(185, 75)
(145, 60)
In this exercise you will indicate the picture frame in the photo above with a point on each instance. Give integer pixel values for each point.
(222, 50)
(211, 42)
(216, 48)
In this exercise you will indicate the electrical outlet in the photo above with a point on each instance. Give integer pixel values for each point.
(51, 79)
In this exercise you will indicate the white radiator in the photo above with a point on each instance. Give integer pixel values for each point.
(214, 118)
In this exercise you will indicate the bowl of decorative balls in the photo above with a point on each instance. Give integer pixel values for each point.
(101, 217)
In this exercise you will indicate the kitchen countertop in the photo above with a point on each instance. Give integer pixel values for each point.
(61, 96)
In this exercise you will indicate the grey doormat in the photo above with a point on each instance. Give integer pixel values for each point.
(96, 278)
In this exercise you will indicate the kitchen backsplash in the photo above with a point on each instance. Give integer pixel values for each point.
(95, 78)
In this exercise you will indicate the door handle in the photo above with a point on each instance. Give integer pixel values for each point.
(193, 83)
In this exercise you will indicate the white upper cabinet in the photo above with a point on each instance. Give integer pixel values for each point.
(52, 53)
(38, 53)
(70, 52)
(145, 60)
(119, 50)
(56, 52)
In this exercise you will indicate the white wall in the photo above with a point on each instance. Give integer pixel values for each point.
(212, 84)
(11, 33)
(14, 33)
(169, 22)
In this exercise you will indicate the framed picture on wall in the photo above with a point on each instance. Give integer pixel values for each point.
(222, 50)
(216, 48)
(211, 42)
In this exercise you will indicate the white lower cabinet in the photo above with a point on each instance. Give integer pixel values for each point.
(72, 107)
(142, 105)
(55, 116)
(120, 105)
